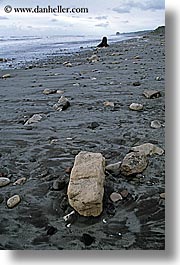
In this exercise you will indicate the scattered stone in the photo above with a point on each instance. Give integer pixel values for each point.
(34, 119)
(68, 170)
(114, 168)
(94, 58)
(115, 197)
(63, 104)
(148, 149)
(156, 124)
(162, 195)
(67, 64)
(137, 83)
(124, 193)
(59, 184)
(59, 92)
(13, 201)
(20, 181)
(3, 60)
(1, 198)
(49, 91)
(4, 181)
(151, 94)
(69, 218)
(87, 239)
(51, 230)
(136, 106)
(137, 57)
(93, 125)
(6, 76)
(158, 78)
(108, 104)
(86, 186)
(133, 163)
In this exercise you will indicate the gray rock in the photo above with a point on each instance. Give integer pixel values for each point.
(59, 184)
(137, 83)
(49, 91)
(162, 195)
(1, 198)
(6, 76)
(136, 106)
(133, 163)
(152, 94)
(4, 181)
(94, 58)
(108, 104)
(115, 197)
(13, 201)
(34, 119)
(19, 181)
(63, 104)
(148, 149)
(86, 185)
(114, 168)
(156, 124)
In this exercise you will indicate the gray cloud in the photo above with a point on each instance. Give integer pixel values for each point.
(2, 18)
(127, 5)
(101, 17)
(102, 25)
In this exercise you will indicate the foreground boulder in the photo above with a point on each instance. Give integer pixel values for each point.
(86, 186)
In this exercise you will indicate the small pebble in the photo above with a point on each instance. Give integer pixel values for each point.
(136, 106)
(20, 181)
(4, 181)
(6, 76)
(136, 83)
(108, 104)
(124, 193)
(162, 195)
(155, 124)
(13, 201)
(115, 197)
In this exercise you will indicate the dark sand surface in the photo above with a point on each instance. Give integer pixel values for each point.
(43, 151)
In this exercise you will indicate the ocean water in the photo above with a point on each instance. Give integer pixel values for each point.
(25, 49)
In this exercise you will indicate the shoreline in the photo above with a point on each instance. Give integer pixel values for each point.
(42, 152)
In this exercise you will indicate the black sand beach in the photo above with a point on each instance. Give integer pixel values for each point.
(43, 152)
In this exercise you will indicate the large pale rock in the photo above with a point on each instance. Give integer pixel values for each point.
(148, 149)
(86, 186)
(133, 163)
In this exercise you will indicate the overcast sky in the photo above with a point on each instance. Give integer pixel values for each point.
(104, 17)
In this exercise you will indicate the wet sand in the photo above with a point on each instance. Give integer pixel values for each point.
(42, 152)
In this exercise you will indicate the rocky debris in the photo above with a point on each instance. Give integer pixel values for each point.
(67, 64)
(6, 76)
(3, 60)
(137, 57)
(63, 104)
(20, 181)
(156, 124)
(4, 181)
(108, 104)
(124, 193)
(137, 83)
(93, 125)
(1, 198)
(59, 184)
(49, 91)
(152, 94)
(158, 78)
(94, 58)
(34, 119)
(134, 163)
(148, 149)
(86, 185)
(13, 201)
(68, 170)
(114, 168)
(70, 218)
(59, 91)
(51, 230)
(136, 106)
(115, 197)
(162, 195)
